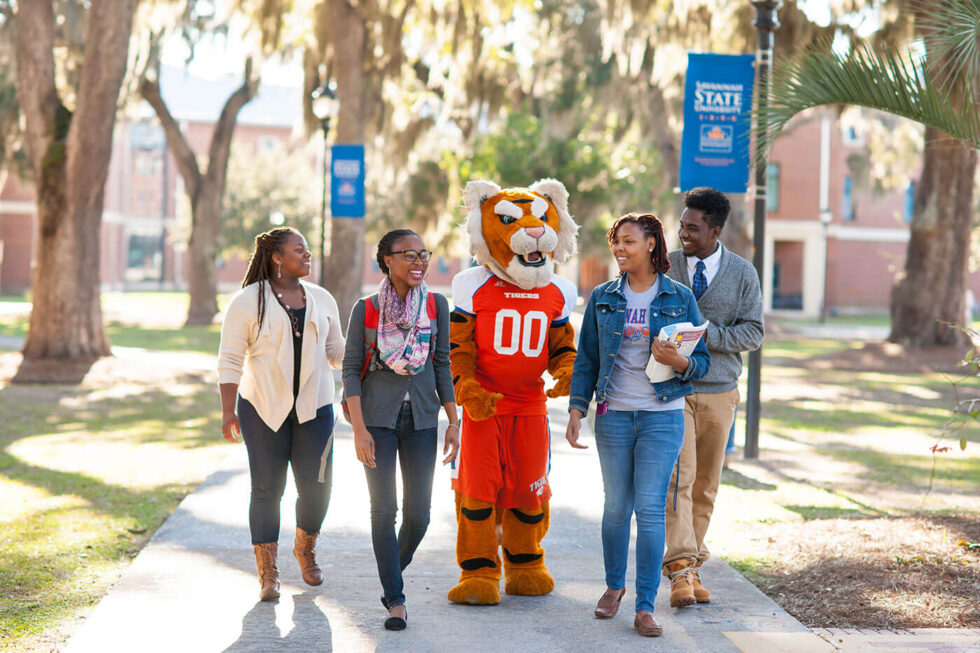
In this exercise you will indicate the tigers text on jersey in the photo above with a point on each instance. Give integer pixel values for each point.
(511, 334)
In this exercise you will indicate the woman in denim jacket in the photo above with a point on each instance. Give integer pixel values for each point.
(639, 425)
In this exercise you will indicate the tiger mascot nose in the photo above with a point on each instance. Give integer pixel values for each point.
(534, 232)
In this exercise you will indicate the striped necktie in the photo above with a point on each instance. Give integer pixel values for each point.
(700, 281)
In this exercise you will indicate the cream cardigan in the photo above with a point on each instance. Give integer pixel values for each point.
(261, 362)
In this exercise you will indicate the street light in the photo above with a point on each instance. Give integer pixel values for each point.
(825, 218)
(766, 23)
(326, 106)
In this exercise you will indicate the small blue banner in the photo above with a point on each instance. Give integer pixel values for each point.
(347, 181)
(717, 101)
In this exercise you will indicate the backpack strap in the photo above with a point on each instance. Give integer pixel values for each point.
(430, 306)
(371, 317)
(371, 312)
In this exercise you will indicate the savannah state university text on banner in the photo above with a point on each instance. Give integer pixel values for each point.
(717, 101)
(347, 181)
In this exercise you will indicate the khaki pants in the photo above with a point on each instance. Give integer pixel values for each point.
(707, 421)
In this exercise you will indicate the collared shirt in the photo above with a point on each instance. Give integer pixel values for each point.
(710, 264)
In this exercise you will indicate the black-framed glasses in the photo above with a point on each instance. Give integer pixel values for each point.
(410, 255)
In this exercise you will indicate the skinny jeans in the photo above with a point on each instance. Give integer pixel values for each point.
(270, 453)
(637, 453)
(415, 451)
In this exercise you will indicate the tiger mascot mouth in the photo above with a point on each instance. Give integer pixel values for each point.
(519, 233)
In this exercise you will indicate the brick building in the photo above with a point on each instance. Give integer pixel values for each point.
(854, 255)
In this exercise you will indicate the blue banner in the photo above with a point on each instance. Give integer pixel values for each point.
(717, 101)
(347, 181)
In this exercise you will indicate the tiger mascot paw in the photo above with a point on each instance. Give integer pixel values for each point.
(479, 403)
(529, 582)
(563, 384)
(476, 590)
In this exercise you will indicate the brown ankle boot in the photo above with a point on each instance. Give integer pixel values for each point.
(265, 562)
(681, 585)
(305, 551)
(701, 593)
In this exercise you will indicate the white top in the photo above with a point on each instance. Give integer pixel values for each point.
(628, 387)
(261, 362)
(710, 264)
(467, 283)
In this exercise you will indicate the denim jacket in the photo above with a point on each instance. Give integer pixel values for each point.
(602, 334)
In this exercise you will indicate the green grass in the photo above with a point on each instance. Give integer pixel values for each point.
(137, 309)
(873, 320)
(87, 475)
(849, 445)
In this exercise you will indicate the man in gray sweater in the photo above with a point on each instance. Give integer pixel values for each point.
(727, 289)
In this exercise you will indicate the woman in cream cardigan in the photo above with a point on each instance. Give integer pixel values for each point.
(279, 339)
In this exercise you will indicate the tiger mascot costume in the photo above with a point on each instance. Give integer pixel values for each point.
(510, 324)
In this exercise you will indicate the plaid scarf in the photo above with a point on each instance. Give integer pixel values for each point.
(404, 330)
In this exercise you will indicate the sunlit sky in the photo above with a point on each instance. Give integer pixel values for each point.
(221, 55)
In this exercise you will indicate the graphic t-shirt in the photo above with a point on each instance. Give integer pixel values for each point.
(629, 387)
(512, 334)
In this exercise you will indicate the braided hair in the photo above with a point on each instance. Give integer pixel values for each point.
(260, 261)
(387, 242)
(651, 227)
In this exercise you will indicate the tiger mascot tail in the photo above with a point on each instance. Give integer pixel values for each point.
(509, 326)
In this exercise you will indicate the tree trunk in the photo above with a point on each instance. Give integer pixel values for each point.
(202, 252)
(204, 191)
(932, 291)
(70, 158)
(345, 267)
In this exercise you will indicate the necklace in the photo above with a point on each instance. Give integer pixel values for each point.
(292, 318)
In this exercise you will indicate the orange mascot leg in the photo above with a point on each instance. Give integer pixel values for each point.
(476, 553)
(524, 568)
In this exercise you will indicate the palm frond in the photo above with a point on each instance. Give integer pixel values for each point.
(951, 30)
(885, 79)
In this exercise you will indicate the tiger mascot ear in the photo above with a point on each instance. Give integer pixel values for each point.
(475, 193)
(554, 191)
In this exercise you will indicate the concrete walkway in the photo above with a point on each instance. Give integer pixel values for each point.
(193, 588)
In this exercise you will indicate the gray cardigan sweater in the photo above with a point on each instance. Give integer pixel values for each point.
(382, 391)
(733, 304)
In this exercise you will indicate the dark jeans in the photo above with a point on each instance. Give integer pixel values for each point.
(416, 451)
(271, 452)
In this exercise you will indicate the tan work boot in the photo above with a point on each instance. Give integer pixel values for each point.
(265, 562)
(681, 585)
(305, 551)
(701, 593)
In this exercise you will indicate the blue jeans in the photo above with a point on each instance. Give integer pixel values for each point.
(637, 453)
(416, 451)
(730, 447)
(269, 455)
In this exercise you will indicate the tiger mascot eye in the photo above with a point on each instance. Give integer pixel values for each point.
(510, 325)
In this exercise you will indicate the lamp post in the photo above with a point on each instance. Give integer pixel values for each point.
(825, 217)
(326, 106)
(766, 23)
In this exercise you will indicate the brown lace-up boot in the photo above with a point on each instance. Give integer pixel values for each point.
(265, 562)
(701, 593)
(305, 551)
(681, 585)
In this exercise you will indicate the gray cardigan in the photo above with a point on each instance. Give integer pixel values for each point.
(733, 304)
(382, 391)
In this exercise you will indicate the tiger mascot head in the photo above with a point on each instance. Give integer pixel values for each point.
(519, 233)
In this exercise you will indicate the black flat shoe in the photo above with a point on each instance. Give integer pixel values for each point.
(397, 623)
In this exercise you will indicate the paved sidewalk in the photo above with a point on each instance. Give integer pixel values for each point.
(193, 588)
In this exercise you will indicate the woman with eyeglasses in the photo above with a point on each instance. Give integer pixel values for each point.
(396, 375)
